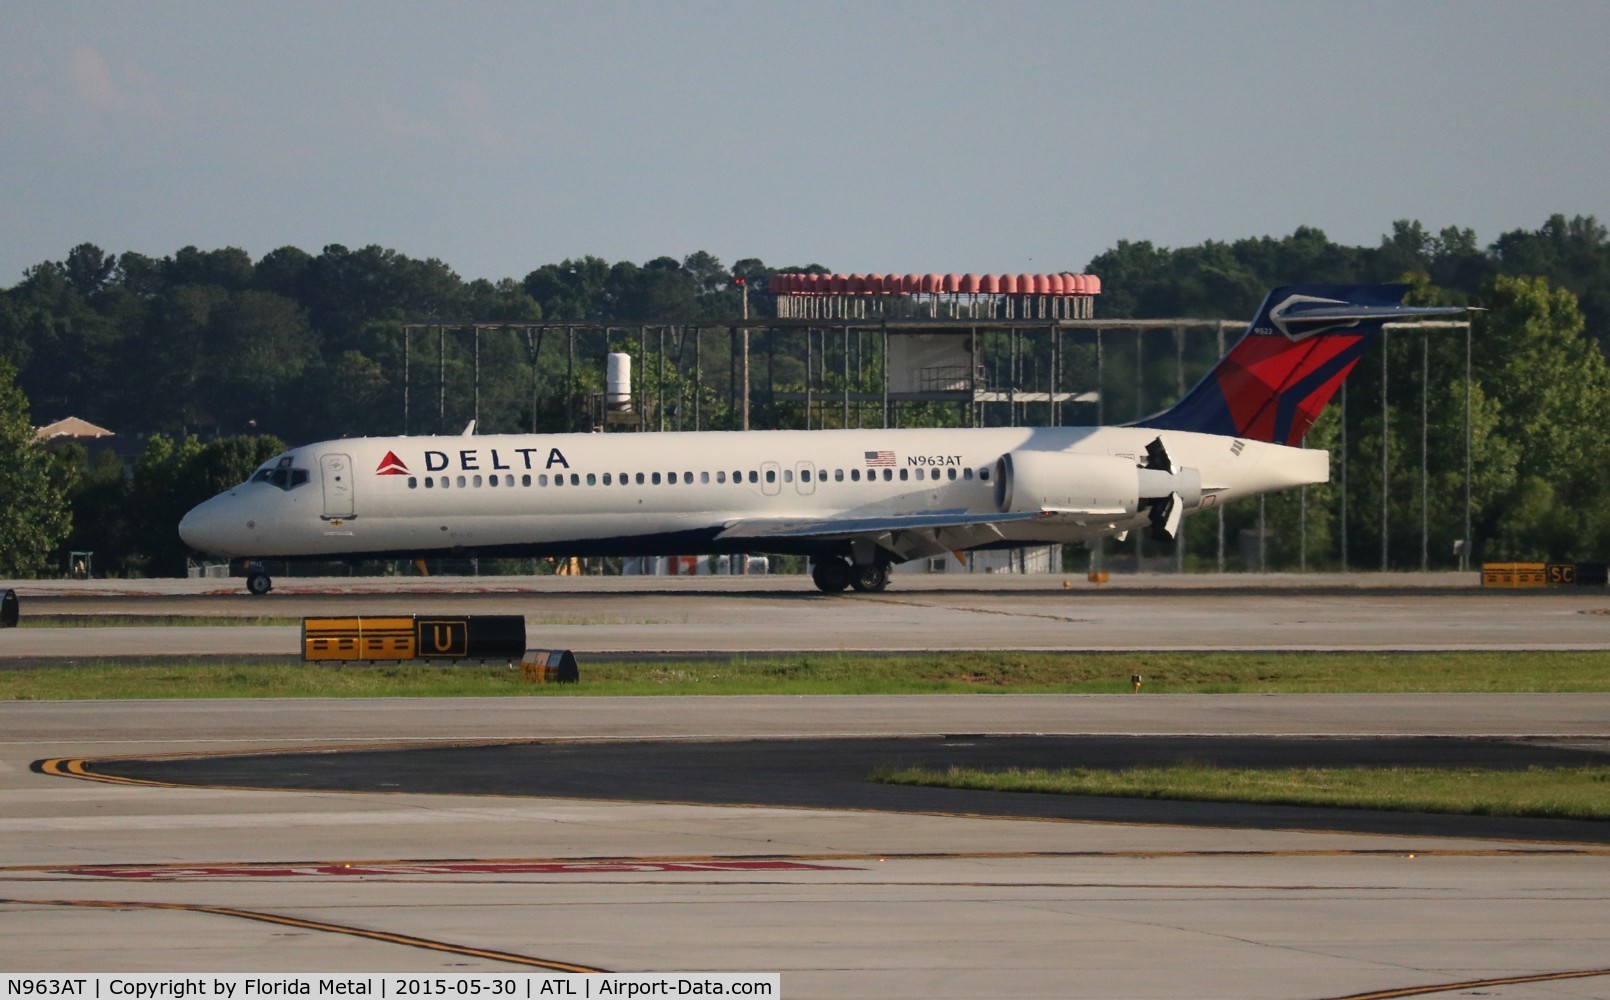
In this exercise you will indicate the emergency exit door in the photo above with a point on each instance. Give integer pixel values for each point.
(338, 484)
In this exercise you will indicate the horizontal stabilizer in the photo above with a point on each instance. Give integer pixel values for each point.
(1274, 382)
(1300, 316)
(1389, 313)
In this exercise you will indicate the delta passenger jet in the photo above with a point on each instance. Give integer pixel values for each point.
(853, 501)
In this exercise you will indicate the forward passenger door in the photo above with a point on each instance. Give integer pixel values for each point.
(336, 472)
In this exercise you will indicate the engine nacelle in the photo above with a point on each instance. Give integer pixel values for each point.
(1029, 481)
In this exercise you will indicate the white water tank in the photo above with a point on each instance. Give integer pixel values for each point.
(618, 382)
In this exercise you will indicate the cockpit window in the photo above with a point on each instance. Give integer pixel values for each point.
(282, 473)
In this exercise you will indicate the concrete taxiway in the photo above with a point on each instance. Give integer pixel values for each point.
(845, 898)
(729, 615)
(844, 902)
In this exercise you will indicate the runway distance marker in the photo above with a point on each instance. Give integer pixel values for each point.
(410, 637)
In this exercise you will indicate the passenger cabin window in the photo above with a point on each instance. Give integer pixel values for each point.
(855, 475)
(721, 475)
(771, 475)
(905, 474)
(656, 479)
(838, 475)
(967, 473)
(984, 473)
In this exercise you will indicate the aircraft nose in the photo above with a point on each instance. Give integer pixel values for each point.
(208, 527)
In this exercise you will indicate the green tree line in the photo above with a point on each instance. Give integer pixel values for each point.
(210, 346)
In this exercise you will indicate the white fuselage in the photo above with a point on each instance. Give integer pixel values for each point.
(672, 493)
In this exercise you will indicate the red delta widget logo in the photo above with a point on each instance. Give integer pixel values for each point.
(391, 465)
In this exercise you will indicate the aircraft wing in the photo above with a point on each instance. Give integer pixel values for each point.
(907, 536)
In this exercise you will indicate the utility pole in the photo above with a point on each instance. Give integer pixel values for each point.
(744, 284)
(743, 557)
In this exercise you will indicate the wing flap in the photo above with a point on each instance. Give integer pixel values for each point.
(862, 527)
(842, 528)
(903, 536)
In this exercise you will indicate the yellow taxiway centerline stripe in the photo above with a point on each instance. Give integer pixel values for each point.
(1473, 984)
(1540, 852)
(406, 940)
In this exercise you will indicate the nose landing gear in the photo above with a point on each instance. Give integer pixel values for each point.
(257, 579)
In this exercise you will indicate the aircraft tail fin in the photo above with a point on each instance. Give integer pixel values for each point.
(1274, 382)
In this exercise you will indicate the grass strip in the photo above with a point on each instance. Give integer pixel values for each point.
(153, 621)
(953, 673)
(231, 621)
(1547, 792)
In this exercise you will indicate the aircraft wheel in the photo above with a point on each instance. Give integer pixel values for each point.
(831, 575)
(258, 584)
(870, 579)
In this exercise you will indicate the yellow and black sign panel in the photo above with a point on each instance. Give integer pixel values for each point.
(1560, 573)
(448, 638)
(1556, 574)
(407, 637)
(1514, 575)
(358, 638)
(474, 637)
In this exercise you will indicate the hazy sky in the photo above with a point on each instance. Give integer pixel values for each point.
(869, 136)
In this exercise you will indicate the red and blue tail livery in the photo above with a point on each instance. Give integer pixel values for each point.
(1274, 382)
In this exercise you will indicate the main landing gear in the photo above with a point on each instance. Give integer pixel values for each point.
(833, 575)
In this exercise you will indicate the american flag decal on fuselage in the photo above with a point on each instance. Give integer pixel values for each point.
(879, 459)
